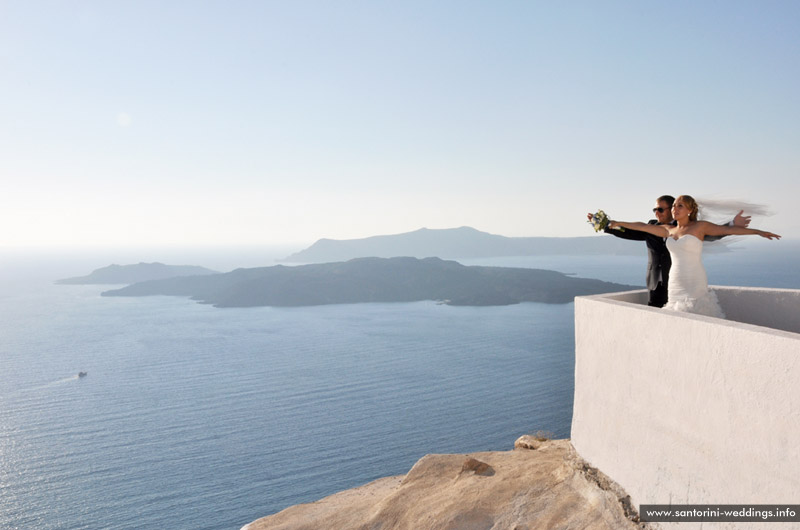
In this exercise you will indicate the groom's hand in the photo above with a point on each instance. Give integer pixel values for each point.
(741, 220)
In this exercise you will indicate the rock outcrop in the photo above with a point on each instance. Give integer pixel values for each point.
(548, 487)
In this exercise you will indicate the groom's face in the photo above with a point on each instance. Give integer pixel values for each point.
(665, 215)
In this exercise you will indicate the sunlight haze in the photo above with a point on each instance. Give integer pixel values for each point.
(266, 122)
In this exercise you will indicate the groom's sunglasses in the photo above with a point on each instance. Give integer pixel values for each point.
(660, 210)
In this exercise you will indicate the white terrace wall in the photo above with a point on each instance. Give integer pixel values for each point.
(687, 409)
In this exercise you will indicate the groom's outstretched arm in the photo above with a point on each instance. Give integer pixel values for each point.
(739, 220)
(633, 235)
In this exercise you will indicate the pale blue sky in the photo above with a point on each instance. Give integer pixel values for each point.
(255, 122)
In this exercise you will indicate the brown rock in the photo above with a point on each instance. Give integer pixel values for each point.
(528, 441)
(476, 467)
(551, 488)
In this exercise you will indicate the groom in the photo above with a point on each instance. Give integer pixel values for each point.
(658, 260)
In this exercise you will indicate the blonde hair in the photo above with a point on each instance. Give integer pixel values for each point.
(690, 203)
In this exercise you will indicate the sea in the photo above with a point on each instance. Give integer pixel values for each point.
(191, 416)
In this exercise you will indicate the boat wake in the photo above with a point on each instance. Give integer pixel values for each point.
(45, 386)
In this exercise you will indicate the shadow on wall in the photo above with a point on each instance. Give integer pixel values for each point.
(770, 308)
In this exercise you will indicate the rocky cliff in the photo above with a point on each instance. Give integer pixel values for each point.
(540, 484)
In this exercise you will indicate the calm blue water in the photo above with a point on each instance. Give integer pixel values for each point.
(196, 417)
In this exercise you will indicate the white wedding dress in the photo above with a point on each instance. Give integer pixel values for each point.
(687, 289)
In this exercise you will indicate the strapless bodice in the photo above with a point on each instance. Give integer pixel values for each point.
(687, 272)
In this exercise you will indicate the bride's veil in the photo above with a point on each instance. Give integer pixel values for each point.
(722, 211)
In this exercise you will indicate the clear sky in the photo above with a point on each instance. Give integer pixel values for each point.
(138, 122)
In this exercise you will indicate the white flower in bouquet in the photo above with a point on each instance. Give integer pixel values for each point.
(600, 220)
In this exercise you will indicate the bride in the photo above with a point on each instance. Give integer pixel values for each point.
(687, 289)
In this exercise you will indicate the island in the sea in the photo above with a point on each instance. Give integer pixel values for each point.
(463, 242)
(139, 272)
(399, 279)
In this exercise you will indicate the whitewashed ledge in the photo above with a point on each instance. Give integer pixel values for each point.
(687, 409)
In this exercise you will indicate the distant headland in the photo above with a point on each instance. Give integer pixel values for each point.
(140, 272)
(453, 243)
(399, 279)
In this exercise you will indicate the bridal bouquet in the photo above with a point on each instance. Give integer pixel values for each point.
(600, 220)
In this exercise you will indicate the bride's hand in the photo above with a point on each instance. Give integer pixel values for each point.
(768, 235)
(613, 224)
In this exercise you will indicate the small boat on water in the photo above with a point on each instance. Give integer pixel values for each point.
(82, 374)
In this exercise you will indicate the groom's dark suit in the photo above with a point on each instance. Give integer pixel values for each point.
(658, 261)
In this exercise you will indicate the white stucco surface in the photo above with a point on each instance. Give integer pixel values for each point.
(687, 409)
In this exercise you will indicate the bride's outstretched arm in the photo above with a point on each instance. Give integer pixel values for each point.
(656, 230)
(711, 229)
